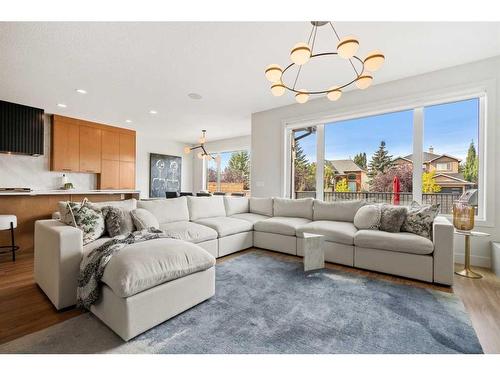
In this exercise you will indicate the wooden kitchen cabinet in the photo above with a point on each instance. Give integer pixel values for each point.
(127, 147)
(90, 149)
(110, 175)
(65, 147)
(127, 175)
(110, 145)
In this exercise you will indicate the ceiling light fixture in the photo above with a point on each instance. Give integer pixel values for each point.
(194, 96)
(153, 112)
(81, 91)
(61, 105)
(128, 121)
(203, 154)
(301, 53)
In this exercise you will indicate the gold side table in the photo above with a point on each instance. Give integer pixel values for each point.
(467, 272)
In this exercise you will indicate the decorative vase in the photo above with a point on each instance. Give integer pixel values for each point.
(463, 216)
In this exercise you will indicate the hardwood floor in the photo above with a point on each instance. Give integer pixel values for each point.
(24, 308)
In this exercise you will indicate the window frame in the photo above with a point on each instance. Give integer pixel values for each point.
(219, 169)
(482, 91)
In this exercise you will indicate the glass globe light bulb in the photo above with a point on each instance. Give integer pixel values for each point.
(200, 155)
(187, 150)
(364, 81)
(334, 94)
(300, 53)
(273, 73)
(347, 47)
(278, 89)
(374, 61)
(302, 96)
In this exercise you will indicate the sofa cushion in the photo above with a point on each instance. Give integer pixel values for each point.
(126, 206)
(188, 231)
(337, 210)
(167, 210)
(203, 207)
(368, 217)
(392, 218)
(419, 219)
(281, 225)
(286, 207)
(143, 265)
(225, 226)
(236, 205)
(251, 217)
(399, 242)
(334, 231)
(85, 216)
(144, 219)
(261, 206)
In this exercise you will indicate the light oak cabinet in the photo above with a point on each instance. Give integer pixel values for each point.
(65, 148)
(90, 149)
(83, 146)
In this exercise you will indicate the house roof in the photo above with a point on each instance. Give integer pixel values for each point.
(344, 166)
(459, 177)
(428, 157)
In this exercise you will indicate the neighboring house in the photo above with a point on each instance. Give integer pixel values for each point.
(356, 177)
(446, 170)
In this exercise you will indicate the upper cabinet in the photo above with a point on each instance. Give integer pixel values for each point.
(83, 146)
(90, 149)
(65, 145)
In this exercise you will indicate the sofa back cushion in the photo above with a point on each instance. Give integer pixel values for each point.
(144, 219)
(236, 205)
(204, 207)
(261, 206)
(337, 210)
(294, 207)
(167, 210)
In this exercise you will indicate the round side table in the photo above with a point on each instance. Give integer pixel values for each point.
(467, 272)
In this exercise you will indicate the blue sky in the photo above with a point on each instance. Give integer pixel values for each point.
(224, 161)
(449, 128)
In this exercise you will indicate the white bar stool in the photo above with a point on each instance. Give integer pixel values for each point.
(9, 222)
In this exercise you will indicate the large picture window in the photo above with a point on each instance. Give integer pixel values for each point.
(373, 157)
(231, 174)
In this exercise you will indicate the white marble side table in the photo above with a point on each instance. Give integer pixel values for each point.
(314, 252)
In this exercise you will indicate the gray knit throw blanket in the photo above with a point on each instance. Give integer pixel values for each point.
(93, 264)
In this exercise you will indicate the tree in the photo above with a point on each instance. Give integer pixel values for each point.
(429, 183)
(360, 160)
(329, 176)
(238, 169)
(212, 174)
(381, 161)
(471, 166)
(383, 181)
(304, 172)
(341, 186)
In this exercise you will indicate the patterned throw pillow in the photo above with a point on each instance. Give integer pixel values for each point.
(419, 219)
(392, 218)
(85, 217)
(115, 219)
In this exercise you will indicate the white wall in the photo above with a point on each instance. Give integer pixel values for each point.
(153, 143)
(222, 145)
(33, 172)
(268, 146)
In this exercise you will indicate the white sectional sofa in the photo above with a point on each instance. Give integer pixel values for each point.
(211, 227)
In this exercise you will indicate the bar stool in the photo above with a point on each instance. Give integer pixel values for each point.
(9, 222)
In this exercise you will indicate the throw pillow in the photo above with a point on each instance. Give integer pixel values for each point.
(392, 218)
(87, 218)
(368, 217)
(116, 220)
(143, 219)
(419, 219)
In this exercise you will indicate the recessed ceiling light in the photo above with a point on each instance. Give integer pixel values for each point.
(61, 105)
(81, 91)
(128, 121)
(153, 112)
(194, 96)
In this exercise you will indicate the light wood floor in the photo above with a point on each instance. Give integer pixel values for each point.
(25, 309)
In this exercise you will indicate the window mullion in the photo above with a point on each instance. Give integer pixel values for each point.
(320, 161)
(417, 156)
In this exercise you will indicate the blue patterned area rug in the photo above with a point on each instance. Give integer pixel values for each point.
(266, 305)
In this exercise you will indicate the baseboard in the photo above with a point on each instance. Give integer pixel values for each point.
(475, 260)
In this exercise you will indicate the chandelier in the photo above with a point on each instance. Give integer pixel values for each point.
(202, 154)
(301, 53)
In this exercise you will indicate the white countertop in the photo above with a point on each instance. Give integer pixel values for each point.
(67, 192)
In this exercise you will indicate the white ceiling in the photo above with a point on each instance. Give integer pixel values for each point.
(131, 68)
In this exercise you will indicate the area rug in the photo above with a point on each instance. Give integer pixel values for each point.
(266, 305)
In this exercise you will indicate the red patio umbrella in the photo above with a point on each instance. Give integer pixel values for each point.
(396, 188)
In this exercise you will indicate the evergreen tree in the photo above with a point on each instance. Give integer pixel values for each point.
(305, 172)
(360, 160)
(470, 168)
(238, 169)
(381, 161)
